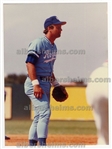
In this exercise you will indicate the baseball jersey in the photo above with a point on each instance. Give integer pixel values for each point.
(46, 55)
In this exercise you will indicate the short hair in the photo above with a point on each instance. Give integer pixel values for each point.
(46, 30)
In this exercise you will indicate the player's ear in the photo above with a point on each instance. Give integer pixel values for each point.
(50, 27)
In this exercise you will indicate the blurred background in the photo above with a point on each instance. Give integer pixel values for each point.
(82, 47)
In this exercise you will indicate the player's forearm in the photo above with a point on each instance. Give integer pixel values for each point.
(31, 71)
(53, 77)
(54, 81)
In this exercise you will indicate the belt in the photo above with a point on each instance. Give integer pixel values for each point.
(45, 78)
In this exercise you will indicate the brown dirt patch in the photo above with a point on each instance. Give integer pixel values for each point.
(22, 140)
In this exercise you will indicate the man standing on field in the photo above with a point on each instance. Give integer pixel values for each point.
(40, 61)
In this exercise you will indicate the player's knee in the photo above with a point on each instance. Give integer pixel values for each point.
(44, 117)
(47, 114)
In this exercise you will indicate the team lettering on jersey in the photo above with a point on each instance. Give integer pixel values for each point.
(49, 55)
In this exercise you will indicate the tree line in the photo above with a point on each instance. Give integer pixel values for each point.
(20, 79)
(15, 79)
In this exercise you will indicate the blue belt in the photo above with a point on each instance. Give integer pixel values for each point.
(44, 78)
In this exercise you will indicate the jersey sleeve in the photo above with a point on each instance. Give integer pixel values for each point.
(35, 48)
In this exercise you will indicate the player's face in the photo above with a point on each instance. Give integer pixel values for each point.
(56, 31)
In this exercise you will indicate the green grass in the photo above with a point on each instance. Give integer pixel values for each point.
(55, 127)
(72, 127)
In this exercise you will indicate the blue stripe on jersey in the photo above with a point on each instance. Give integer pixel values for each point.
(31, 58)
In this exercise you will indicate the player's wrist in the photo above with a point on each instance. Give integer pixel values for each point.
(35, 82)
(55, 83)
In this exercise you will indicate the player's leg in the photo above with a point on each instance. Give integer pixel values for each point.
(99, 104)
(38, 129)
(44, 114)
(33, 138)
(42, 126)
(100, 111)
(97, 97)
(7, 138)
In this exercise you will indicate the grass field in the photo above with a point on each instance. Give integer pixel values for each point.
(55, 127)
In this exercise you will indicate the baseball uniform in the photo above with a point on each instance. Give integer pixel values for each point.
(42, 54)
(97, 97)
(46, 55)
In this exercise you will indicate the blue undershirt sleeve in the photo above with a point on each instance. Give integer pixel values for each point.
(31, 58)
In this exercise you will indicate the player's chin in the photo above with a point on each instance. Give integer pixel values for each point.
(59, 36)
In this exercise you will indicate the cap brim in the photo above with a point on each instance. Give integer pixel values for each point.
(61, 23)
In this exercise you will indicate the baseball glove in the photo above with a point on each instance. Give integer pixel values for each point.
(59, 93)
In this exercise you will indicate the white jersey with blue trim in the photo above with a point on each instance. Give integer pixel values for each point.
(46, 55)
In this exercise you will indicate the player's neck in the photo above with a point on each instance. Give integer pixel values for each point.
(51, 39)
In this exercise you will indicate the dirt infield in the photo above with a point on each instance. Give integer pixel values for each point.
(22, 140)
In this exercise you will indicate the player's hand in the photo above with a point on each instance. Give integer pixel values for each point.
(38, 91)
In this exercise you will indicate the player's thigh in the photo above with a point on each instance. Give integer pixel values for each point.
(100, 111)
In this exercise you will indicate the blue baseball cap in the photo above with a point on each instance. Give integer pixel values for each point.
(52, 20)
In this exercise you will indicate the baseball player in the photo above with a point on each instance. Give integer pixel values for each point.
(97, 97)
(40, 60)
